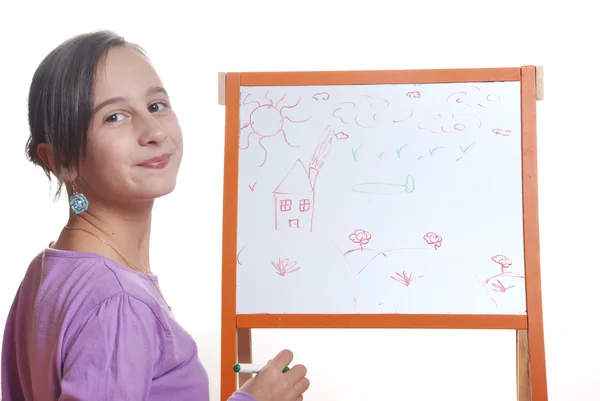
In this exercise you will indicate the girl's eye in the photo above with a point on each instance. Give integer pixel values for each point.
(113, 118)
(155, 107)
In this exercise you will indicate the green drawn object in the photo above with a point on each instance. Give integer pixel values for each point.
(385, 188)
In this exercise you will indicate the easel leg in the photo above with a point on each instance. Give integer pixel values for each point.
(244, 347)
(523, 377)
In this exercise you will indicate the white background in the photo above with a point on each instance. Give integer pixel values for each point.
(190, 44)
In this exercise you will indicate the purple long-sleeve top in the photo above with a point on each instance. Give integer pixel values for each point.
(83, 327)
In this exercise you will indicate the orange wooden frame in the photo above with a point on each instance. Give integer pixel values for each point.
(532, 321)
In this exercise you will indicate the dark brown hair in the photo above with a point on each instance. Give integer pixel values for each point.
(61, 99)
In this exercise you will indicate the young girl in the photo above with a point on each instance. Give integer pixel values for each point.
(89, 321)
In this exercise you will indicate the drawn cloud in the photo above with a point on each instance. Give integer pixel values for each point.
(450, 123)
(368, 111)
(473, 97)
(321, 96)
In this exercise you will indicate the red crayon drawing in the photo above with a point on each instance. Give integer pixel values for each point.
(360, 237)
(321, 96)
(503, 261)
(295, 194)
(237, 258)
(294, 198)
(405, 279)
(433, 239)
(252, 186)
(285, 267)
(368, 112)
(502, 132)
(413, 95)
(407, 116)
(498, 286)
(450, 123)
(473, 97)
(266, 121)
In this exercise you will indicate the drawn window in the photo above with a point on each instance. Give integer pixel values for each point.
(285, 205)
(304, 205)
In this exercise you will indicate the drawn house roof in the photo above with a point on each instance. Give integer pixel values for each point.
(296, 181)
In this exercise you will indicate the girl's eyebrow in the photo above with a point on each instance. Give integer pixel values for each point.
(151, 91)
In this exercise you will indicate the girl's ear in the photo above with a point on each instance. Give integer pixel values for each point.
(46, 155)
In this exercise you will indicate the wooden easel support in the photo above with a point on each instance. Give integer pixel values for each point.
(530, 357)
(539, 82)
(523, 377)
(244, 352)
(244, 342)
(222, 80)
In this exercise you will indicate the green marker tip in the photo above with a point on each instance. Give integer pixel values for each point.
(237, 368)
(286, 369)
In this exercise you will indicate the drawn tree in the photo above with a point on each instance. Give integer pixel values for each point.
(433, 239)
(493, 283)
(503, 261)
(360, 237)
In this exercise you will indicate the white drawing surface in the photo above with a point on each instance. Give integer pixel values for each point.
(380, 199)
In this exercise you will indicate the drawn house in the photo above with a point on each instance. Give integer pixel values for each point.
(295, 197)
(295, 194)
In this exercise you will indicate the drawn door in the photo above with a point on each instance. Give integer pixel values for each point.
(294, 223)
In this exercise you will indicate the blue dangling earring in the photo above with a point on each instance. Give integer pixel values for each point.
(78, 202)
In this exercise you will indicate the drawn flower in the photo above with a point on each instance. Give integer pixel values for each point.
(503, 261)
(433, 239)
(405, 279)
(284, 267)
(78, 203)
(360, 237)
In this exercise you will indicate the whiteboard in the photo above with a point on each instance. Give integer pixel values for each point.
(380, 199)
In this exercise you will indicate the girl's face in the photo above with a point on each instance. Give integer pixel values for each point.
(135, 142)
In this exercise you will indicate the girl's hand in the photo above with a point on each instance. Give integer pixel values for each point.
(271, 384)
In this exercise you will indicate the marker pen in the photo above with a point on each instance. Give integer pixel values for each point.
(251, 368)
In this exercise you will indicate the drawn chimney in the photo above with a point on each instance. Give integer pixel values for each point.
(313, 173)
(319, 156)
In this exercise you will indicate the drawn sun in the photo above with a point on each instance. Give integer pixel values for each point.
(266, 120)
